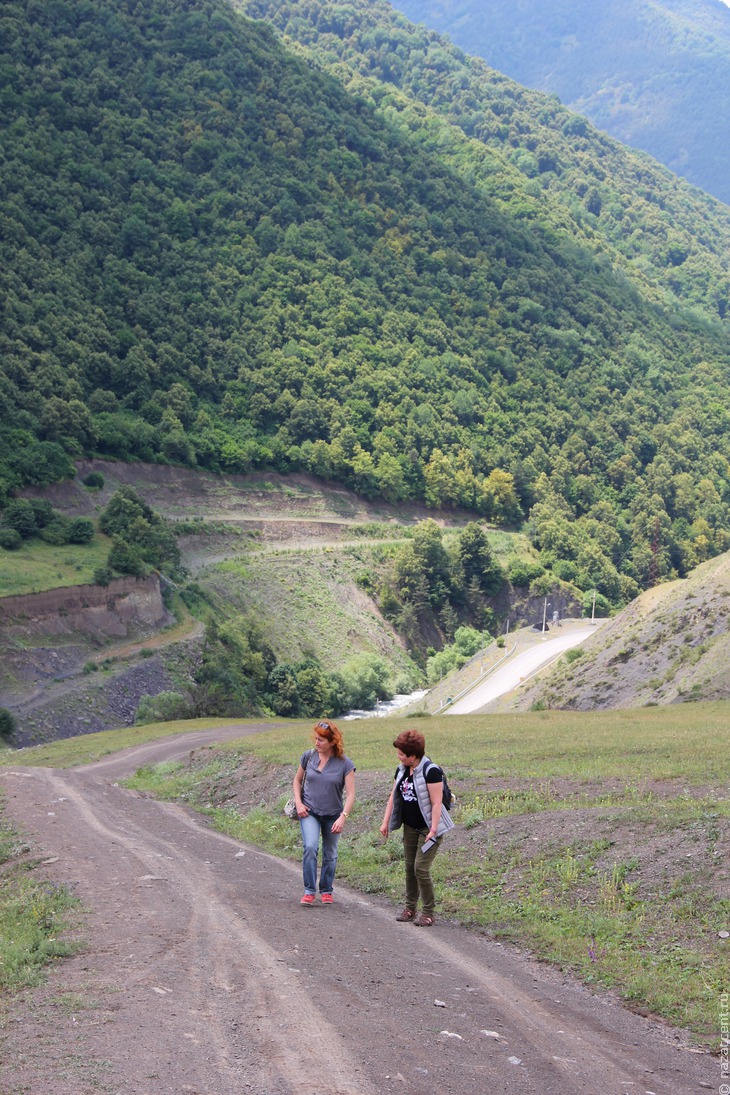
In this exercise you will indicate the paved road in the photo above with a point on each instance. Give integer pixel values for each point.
(517, 669)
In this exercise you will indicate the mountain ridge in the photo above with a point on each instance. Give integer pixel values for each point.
(654, 75)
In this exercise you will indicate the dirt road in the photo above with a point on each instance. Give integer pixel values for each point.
(202, 974)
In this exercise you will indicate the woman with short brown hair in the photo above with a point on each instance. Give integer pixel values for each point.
(416, 804)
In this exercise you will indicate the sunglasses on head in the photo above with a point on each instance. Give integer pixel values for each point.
(322, 726)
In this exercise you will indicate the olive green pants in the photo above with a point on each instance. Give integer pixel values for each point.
(418, 869)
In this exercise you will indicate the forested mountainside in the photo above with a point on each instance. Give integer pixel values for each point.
(215, 252)
(595, 188)
(652, 73)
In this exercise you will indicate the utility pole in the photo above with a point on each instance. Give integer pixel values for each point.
(593, 610)
(544, 615)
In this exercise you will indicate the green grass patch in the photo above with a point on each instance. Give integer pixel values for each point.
(633, 745)
(37, 566)
(33, 915)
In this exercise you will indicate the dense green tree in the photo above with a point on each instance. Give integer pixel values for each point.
(283, 692)
(125, 559)
(150, 538)
(80, 530)
(236, 662)
(477, 560)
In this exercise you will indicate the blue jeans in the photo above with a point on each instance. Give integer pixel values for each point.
(313, 827)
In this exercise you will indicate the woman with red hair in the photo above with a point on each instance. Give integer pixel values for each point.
(324, 777)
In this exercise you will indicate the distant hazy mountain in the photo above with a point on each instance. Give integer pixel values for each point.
(653, 73)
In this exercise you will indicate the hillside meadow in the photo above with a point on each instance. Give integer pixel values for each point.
(598, 842)
(38, 566)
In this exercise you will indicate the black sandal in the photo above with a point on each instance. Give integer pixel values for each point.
(425, 921)
(407, 914)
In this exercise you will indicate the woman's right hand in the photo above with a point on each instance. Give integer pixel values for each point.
(302, 811)
(384, 831)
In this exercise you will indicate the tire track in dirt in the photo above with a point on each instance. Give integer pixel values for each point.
(209, 938)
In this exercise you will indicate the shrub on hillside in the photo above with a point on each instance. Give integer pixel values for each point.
(7, 725)
(521, 572)
(56, 532)
(164, 707)
(125, 559)
(80, 530)
(10, 539)
(94, 480)
(20, 515)
(467, 641)
(43, 511)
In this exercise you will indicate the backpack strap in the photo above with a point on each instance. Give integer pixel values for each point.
(306, 758)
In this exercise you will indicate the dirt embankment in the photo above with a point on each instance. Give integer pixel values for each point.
(109, 610)
(54, 643)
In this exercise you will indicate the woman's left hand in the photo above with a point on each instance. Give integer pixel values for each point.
(339, 824)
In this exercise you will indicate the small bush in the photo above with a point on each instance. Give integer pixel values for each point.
(94, 480)
(522, 572)
(80, 530)
(57, 532)
(10, 539)
(20, 515)
(164, 707)
(7, 724)
(43, 510)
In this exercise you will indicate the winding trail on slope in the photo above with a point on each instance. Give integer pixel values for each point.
(201, 973)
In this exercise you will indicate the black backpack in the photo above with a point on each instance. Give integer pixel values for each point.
(449, 797)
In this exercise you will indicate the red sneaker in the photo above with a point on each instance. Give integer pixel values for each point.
(308, 899)
(327, 899)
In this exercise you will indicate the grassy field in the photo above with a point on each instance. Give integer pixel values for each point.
(38, 566)
(599, 842)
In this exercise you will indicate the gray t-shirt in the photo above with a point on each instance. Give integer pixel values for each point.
(323, 791)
